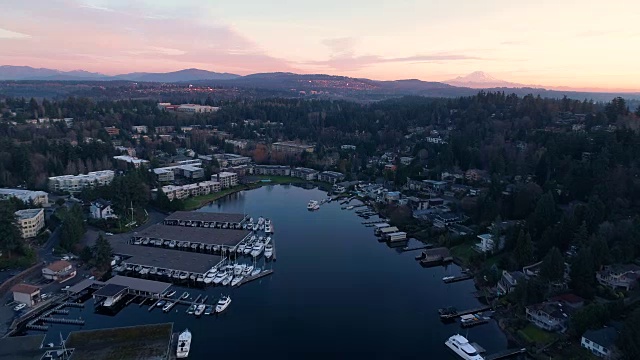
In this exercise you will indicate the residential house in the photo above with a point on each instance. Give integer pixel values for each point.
(305, 173)
(140, 129)
(112, 130)
(549, 316)
(600, 342)
(509, 281)
(26, 294)
(392, 196)
(476, 175)
(486, 244)
(435, 185)
(348, 147)
(417, 203)
(331, 176)
(446, 219)
(101, 209)
(619, 277)
(571, 300)
(30, 222)
(452, 175)
(60, 270)
(406, 160)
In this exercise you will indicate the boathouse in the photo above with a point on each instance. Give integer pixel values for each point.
(205, 219)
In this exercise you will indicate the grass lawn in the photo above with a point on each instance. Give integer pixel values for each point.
(200, 201)
(463, 251)
(533, 334)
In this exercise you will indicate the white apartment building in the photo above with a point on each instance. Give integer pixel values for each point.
(75, 183)
(140, 129)
(226, 179)
(30, 222)
(193, 108)
(126, 159)
(38, 198)
(185, 191)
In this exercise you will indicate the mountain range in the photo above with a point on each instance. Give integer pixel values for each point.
(334, 86)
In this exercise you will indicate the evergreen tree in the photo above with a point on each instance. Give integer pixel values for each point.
(10, 239)
(628, 340)
(524, 249)
(102, 252)
(72, 227)
(545, 213)
(583, 275)
(552, 267)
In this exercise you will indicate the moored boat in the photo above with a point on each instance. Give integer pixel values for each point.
(236, 280)
(184, 344)
(461, 346)
(200, 309)
(223, 304)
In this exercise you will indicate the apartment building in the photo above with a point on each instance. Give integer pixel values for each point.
(226, 179)
(37, 198)
(30, 222)
(185, 191)
(273, 170)
(75, 183)
(291, 147)
(123, 161)
(331, 176)
(305, 173)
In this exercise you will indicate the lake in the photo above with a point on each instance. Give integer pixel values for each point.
(335, 292)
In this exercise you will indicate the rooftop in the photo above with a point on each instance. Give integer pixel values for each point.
(25, 288)
(28, 213)
(166, 258)
(229, 237)
(605, 337)
(150, 286)
(58, 265)
(136, 343)
(22, 347)
(110, 290)
(205, 216)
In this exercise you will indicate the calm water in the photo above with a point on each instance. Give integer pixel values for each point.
(336, 292)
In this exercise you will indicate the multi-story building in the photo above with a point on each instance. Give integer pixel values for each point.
(238, 144)
(193, 108)
(486, 244)
(101, 209)
(26, 294)
(305, 173)
(37, 198)
(600, 342)
(226, 179)
(164, 175)
(112, 130)
(75, 183)
(509, 281)
(140, 129)
(347, 147)
(291, 147)
(226, 159)
(30, 222)
(273, 170)
(619, 277)
(331, 176)
(190, 169)
(123, 161)
(185, 191)
(550, 316)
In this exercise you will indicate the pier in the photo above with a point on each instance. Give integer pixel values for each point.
(505, 354)
(452, 279)
(251, 278)
(55, 320)
(31, 326)
(421, 247)
(452, 313)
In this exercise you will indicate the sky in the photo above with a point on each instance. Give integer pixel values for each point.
(582, 44)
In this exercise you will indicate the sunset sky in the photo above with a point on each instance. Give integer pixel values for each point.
(585, 44)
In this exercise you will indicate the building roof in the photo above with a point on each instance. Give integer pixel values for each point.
(110, 290)
(568, 298)
(166, 258)
(149, 286)
(82, 285)
(22, 347)
(229, 237)
(605, 337)
(205, 216)
(25, 288)
(58, 265)
(28, 213)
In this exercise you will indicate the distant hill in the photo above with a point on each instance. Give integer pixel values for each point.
(481, 80)
(177, 76)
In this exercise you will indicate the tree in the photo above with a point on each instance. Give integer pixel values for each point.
(592, 316)
(72, 227)
(10, 239)
(524, 249)
(552, 267)
(583, 275)
(545, 213)
(102, 252)
(628, 340)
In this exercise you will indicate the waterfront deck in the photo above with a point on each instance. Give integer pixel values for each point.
(453, 279)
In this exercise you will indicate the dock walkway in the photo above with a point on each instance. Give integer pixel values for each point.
(452, 279)
(251, 278)
(505, 354)
(455, 314)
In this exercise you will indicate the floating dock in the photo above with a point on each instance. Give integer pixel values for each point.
(422, 247)
(452, 313)
(505, 354)
(251, 278)
(452, 279)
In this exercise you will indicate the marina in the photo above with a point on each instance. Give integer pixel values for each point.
(451, 312)
(319, 252)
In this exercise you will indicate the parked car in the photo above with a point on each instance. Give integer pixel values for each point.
(19, 307)
(108, 234)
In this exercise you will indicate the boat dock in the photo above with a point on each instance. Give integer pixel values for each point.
(452, 279)
(505, 354)
(447, 314)
(422, 247)
(251, 278)
(55, 320)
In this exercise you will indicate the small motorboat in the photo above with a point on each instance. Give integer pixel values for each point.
(208, 310)
(256, 271)
(227, 280)
(223, 304)
(200, 309)
(184, 296)
(236, 280)
(192, 309)
(160, 303)
(167, 306)
(170, 293)
(247, 270)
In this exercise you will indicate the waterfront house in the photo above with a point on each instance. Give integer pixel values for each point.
(60, 270)
(509, 281)
(619, 277)
(549, 316)
(486, 244)
(26, 294)
(446, 219)
(600, 342)
(101, 209)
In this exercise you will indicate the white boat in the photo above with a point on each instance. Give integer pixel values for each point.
(172, 244)
(241, 248)
(184, 296)
(350, 207)
(219, 277)
(223, 303)
(184, 275)
(268, 251)
(239, 269)
(313, 205)
(461, 346)
(257, 249)
(170, 293)
(201, 278)
(227, 280)
(167, 306)
(200, 309)
(247, 270)
(267, 229)
(260, 220)
(255, 227)
(256, 271)
(184, 344)
(236, 280)
(250, 220)
(261, 227)
(267, 222)
(247, 249)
